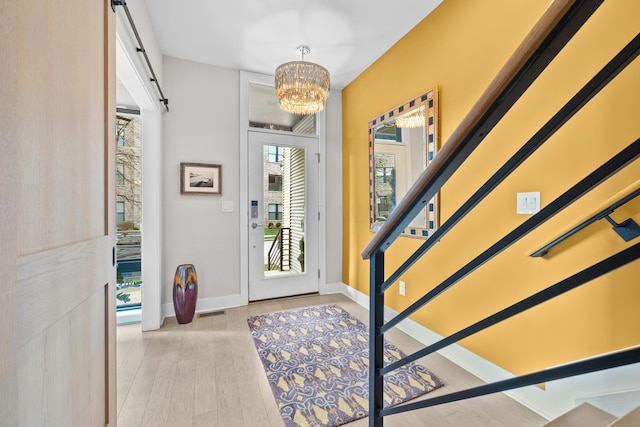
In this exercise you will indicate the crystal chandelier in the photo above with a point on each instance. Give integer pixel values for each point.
(412, 119)
(302, 87)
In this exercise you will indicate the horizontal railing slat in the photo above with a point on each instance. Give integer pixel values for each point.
(596, 177)
(595, 364)
(588, 274)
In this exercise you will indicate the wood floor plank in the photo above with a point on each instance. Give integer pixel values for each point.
(159, 403)
(206, 399)
(213, 364)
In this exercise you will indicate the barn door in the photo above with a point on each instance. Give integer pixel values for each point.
(57, 362)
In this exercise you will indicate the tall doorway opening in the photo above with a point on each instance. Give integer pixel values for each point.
(128, 212)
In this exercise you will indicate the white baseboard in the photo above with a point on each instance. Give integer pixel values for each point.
(208, 305)
(332, 288)
(557, 398)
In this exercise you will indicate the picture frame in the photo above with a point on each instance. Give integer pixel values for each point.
(200, 178)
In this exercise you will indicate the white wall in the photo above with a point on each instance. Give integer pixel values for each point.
(333, 186)
(202, 126)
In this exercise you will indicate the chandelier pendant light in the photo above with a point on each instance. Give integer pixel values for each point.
(302, 87)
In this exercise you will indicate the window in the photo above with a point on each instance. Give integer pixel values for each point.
(120, 174)
(275, 212)
(119, 211)
(120, 132)
(275, 182)
(275, 154)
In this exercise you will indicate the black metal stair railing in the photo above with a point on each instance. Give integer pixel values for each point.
(561, 21)
(618, 162)
(279, 254)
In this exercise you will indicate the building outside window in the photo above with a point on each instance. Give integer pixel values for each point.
(120, 130)
(120, 174)
(119, 211)
(275, 154)
(275, 182)
(129, 171)
(275, 212)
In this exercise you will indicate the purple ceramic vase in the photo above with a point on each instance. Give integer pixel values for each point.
(185, 292)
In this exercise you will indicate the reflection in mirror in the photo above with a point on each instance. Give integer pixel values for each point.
(402, 142)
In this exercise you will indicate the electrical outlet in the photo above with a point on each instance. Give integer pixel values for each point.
(402, 288)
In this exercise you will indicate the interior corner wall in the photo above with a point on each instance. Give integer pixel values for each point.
(333, 184)
(459, 48)
(201, 127)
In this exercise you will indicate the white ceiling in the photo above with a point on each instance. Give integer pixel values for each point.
(345, 36)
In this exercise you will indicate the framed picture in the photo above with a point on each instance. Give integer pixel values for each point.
(200, 178)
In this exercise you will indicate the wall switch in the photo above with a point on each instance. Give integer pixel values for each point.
(402, 288)
(227, 206)
(528, 203)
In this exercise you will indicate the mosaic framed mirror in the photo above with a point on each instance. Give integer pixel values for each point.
(402, 142)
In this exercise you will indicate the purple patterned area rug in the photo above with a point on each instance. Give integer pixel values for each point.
(317, 363)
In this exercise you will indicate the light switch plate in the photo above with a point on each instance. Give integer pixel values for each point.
(528, 203)
(227, 206)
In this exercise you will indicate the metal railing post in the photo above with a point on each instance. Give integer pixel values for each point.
(376, 339)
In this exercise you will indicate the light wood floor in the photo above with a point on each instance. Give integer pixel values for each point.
(207, 373)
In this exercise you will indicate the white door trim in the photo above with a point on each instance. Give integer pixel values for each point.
(246, 78)
(130, 70)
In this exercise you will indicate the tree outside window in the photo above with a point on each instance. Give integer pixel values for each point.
(129, 170)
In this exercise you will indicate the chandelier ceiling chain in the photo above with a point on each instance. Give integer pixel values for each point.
(302, 87)
(302, 51)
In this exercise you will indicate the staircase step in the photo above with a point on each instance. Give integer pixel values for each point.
(585, 415)
(632, 419)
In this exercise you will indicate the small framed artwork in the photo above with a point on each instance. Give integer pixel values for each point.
(200, 178)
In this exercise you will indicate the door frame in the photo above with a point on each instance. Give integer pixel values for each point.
(246, 78)
(131, 71)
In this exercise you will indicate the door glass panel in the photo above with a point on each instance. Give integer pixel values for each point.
(284, 210)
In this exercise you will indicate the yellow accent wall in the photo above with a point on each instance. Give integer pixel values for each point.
(459, 48)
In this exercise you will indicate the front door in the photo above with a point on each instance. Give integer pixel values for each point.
(283, 215)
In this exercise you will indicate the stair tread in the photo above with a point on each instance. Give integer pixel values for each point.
(585, 415)
(632, 419)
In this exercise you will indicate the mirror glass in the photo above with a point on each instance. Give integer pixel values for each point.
(402, 142)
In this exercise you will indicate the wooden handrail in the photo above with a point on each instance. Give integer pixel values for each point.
(418, 194)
